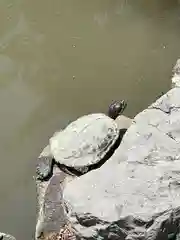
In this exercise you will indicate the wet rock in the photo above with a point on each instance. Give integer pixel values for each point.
(135, 194)
(5, 236)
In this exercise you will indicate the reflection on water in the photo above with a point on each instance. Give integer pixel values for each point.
(62, 59)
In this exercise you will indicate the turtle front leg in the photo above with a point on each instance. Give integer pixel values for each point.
(45, 163)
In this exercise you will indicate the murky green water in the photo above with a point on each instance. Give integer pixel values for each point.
(63, 58)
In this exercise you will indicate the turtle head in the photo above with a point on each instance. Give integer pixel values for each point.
(116, 108)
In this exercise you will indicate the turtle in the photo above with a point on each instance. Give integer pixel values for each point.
(84, 144)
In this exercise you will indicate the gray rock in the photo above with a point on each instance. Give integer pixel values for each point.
(123, 122)
(135, 194)
(5, 236)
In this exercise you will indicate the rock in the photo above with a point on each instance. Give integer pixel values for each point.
(51, 217)
(4, 236)
(135, 194)
(123, 122)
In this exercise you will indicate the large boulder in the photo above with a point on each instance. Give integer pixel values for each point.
(135, 194)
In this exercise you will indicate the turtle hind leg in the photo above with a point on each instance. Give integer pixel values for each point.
(44, 168)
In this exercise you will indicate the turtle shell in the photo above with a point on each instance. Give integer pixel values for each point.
(85, 141)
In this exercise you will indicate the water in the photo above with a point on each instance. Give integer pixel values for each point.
(61, 59)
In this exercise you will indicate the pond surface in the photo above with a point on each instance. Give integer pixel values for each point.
(63, 58)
